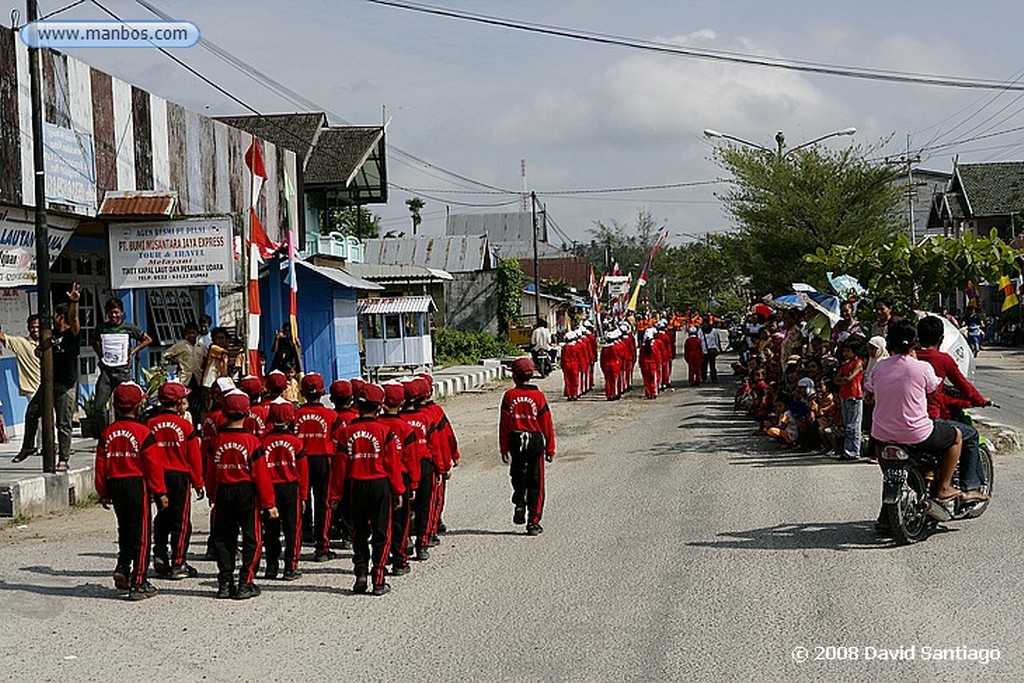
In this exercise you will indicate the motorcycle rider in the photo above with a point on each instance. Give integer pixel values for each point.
(930, 332)
(901, 384)
(540, 344)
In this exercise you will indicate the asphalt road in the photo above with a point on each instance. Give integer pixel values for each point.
(998, 376)
(677, 546)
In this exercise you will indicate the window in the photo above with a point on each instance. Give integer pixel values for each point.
(392, 326)
(373, 326)
(169, 310)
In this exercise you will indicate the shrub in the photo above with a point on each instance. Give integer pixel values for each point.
(460, 347)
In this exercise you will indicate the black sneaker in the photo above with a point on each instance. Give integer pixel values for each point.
(178, 572)
(161, 567)
(22, 456)
(381, 589)
(225, 591)
(434, 541)
(149, 589)
(324, 556)
(442, 528)
(361, 584)
(246, 591)
(291, 575)
(422, 554)
(519, 517)
(121, 578)
(400, 570)
(137, 593)
(190, 571)
(534, 529)
(272, 571)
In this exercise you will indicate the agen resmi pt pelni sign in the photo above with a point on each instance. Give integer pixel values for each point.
(190, 252)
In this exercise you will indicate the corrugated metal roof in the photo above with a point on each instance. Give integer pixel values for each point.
(387, 272)
(340, 276)
(396, 304)
(455, 254)
(499, 227)
(138, 203)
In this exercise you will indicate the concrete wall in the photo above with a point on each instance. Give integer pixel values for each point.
(471, 301)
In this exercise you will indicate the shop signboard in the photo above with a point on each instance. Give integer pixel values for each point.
(18, 244)
(182, 253)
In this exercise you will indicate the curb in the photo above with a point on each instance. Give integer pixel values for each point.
(491, 371)
(42, 493)
(1007, 439)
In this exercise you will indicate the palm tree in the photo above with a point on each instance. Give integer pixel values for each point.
(415, 204)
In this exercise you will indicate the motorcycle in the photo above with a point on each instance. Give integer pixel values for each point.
(908, 484)
(543, 361)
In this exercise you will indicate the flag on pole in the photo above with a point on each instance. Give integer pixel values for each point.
(645, 274)
(1009, 293)
(258, 242)
(254, 160)
(293, 282)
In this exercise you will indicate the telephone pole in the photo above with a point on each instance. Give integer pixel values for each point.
(536, 265)
(908, 161)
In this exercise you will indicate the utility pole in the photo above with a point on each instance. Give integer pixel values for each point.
(909, 161)
(42, 251)
(536, 265)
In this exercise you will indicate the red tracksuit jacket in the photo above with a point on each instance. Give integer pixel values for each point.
(257, 422)
(212, 423)
(366, 452)
(177, 441)
(127, 449)
(286, 461)
(443, 434)
(408, 446)
(315, 425)
(237, 458)
(420, 420)
(525, 409)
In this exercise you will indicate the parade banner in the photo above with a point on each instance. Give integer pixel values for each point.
(183, 253)
(618, 285)
(18, 244)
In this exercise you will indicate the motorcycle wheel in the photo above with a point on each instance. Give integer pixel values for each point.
(908, 518)
(987, 473)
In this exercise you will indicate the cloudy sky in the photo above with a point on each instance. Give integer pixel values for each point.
(475, 99)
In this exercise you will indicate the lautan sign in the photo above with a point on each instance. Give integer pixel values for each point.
(190, 252)
(18, 244)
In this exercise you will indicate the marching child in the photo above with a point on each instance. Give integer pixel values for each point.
(369, 468)
(240, 486)
(128, 472)
(419, 420)
(526, 438)
(286, 462)
(315, 425)
(177, 442)
(409, 455)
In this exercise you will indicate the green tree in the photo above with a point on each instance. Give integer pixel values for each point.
(357, 221)
(415, 205)
(510, 293)
(911, 274)
(793, 204)
(699, 275)
(617, 243)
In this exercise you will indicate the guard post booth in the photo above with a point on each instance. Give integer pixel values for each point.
(396, 333)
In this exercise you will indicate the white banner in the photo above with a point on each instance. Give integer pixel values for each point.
(18, 244)
(15, 307)
(185, 253)
(618, 285)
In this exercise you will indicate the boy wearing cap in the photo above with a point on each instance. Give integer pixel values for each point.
(211, 424)
(276, 382)
(369, 470)
(289, 472)
(128, 472)
(240, 486)
(315, 424)
(417, 417)
(526, 438)
(341, 398)
(257, 420)
(177, 443)
(445, 445)
(408, 448)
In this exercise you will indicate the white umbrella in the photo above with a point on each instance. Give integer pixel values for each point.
(955, 344)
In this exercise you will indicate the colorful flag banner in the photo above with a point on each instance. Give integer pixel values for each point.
(1009, 292)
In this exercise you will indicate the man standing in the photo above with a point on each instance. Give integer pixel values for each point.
(526, 438)
(117, 344)
(24, 350)
(189, 355)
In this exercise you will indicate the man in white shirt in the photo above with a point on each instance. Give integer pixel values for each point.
(711, 344)
(24, 350)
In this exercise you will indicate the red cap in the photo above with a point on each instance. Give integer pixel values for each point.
(357, 384)
(235, 404)
(281, 413)
(252, 385)
(341, 389)
(312, 385)
(277, 382)
(173, 391)
(394, 394)
(372, 394)
(522, 367)
(128, 395)
(409, 388)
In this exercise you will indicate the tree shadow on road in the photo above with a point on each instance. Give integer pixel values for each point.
(859, 535)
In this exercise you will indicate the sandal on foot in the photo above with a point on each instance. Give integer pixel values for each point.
(62, 466)
(943, 500)
(22, 456)
(973, 496)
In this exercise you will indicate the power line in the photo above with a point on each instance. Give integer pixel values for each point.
(887, 75)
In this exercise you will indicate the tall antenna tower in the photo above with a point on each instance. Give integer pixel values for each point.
(524, 203)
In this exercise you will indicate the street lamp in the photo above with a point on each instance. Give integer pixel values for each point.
(780, 140)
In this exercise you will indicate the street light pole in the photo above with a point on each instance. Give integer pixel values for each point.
(780, 140)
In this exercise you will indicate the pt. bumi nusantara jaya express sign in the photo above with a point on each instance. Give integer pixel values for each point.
(189, 252)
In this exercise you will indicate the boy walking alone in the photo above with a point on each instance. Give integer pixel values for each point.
(526, 438)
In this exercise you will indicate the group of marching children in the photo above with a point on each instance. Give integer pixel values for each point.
(618, 358)
(378, 459)
(656, 352)
(579, 355)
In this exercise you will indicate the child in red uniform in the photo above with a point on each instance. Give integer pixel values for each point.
(315, 425)
(286, 462)
(693, 354)
(650, 363)
(447, 446)
(408, 448)
(370, 471)
(257, 420)
(240, 487)
(128, 472)
(178, 444)
(526, 438)
(419, 420)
